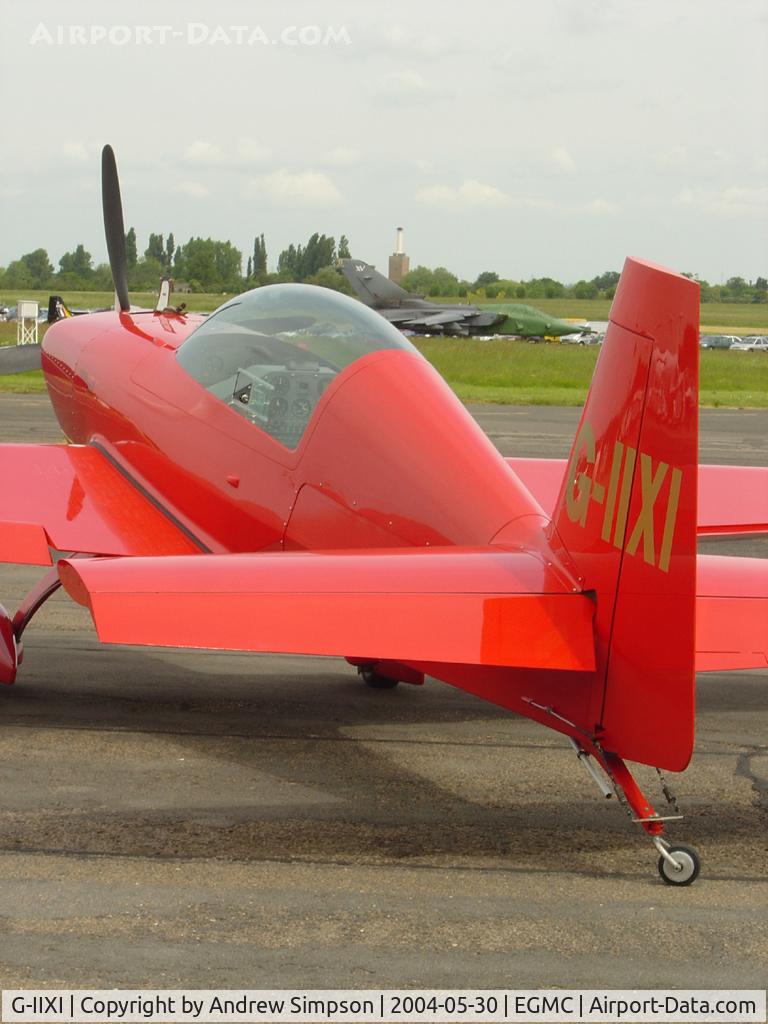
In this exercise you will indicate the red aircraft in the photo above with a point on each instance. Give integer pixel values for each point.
(290, 475)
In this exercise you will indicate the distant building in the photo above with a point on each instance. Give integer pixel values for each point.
(399, 264)
(182, 286)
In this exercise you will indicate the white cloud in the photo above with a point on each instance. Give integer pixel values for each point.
(201, 152)
(478, 193)
(343, 157)
(192, 188)
(248, 151)
(601, 206)
(209, 154)
(586, 16)
(75, 152)
(402, 85)
(563, 158)
(310, 188)
(402, 39)
(423, 165)
(437, 195)
(470, 193)
(734, 199)
(535, 203)
(676, 156)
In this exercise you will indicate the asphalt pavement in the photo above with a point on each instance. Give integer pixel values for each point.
(184, 819)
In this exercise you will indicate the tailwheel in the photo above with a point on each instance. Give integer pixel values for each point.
(678, 865)
(374, 680)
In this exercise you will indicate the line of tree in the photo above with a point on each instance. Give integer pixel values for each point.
(202, 264)
(210, 265)
(488, 285)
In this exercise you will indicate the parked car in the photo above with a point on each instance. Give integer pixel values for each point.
(752, 343)
(581, 338)
(718, 340)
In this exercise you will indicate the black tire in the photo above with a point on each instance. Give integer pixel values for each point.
(375, 681)
(691, 865)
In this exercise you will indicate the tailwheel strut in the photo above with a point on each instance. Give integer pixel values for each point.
(677, 864)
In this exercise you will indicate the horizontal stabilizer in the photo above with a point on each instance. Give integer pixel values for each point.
(731, 499)
(448, 316)
(731, 613)
(71, 498)
(478, 606)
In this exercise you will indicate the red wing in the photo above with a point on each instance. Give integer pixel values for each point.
(475, 606)
(731, 499)
(72, 499)
(731, 613)
(731, 593)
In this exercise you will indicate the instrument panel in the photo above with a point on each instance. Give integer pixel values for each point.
(280, 400)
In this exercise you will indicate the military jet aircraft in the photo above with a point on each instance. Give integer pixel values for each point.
(414, 313)
(291, 475)
(411, 312)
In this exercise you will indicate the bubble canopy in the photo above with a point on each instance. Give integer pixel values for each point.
(271, 353)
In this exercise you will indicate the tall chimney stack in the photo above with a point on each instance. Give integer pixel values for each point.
(399, 263)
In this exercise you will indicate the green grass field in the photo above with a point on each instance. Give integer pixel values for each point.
(204, 302)
(716, 317)
(23, 383)
(518, 373)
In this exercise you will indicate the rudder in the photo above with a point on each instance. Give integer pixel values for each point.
(627, 515)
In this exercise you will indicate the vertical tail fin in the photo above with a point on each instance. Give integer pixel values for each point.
(372, 287)
(57, 309)
(627, 515)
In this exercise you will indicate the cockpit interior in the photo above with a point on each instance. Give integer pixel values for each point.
(271, 353)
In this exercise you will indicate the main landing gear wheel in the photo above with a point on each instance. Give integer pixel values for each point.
(375, 681)
(685, 868)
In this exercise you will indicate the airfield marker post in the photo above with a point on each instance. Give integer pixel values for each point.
(27, 312)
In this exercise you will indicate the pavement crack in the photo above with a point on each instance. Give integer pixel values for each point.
(745, 769)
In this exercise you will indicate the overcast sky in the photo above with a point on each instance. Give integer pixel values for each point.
(529, 137)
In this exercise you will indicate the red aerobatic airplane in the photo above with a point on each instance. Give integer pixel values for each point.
(290, 475)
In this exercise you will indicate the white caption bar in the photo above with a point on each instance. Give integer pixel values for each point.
(550, 1005)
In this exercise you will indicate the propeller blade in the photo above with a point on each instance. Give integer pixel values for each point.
(113, 227)
(19, 358)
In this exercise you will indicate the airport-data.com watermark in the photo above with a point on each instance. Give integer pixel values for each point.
(193, 33)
